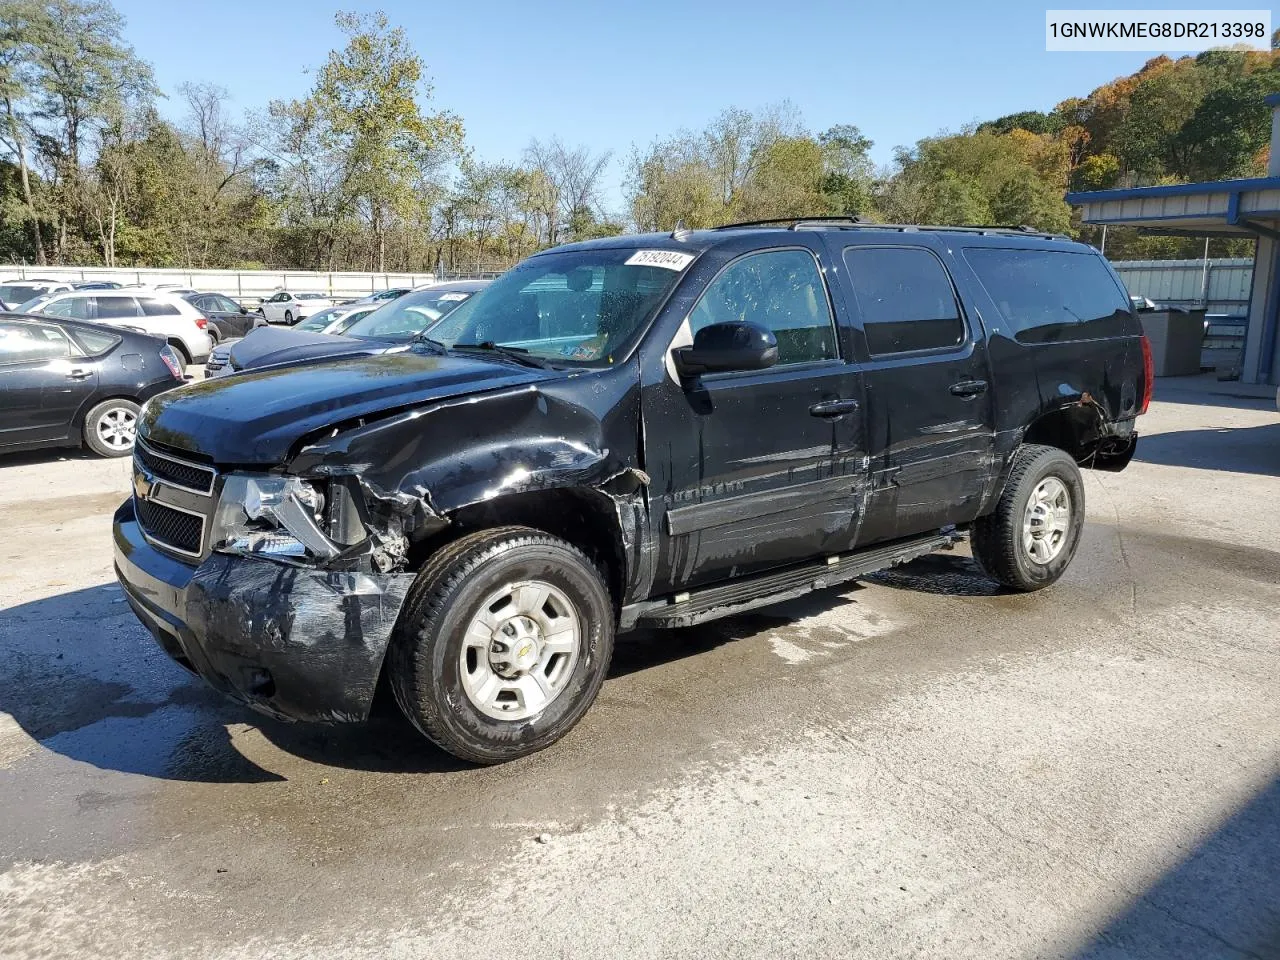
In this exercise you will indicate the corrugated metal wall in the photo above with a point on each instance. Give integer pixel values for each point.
(1220, 286)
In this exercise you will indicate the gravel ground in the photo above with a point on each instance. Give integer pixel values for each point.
(916, 766)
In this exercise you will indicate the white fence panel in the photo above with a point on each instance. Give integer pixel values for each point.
(246, 285)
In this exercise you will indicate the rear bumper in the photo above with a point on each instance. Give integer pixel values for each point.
(293, 643)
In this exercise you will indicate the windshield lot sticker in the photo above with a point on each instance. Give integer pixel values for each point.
(667, 259)
(450, 297)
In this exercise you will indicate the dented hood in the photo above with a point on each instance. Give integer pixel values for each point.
(269, 346)
(257, 416)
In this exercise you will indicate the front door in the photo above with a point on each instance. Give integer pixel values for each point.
(928, 401)
(42, 385)
(760, 468)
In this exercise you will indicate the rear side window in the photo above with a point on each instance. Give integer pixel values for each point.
(95, 342)
(158, 308)
(1046, 296)
(32, 341)
(905, 299)
(117, 308)
(782, 291)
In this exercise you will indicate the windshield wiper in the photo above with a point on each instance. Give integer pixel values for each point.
(518, 354)
(423, 338)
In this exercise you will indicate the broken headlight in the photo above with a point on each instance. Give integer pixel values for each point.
(271, 516)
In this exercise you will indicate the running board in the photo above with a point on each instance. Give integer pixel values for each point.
(737, 596)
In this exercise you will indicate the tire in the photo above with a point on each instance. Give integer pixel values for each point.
(439, 679)
(214, 337)
(288, 317)
(109, 428)
(1039, 478)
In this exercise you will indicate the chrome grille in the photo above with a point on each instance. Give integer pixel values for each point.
(170, 527)
(179, 473)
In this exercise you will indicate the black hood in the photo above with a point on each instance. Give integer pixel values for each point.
(270, 346)
(257, 416)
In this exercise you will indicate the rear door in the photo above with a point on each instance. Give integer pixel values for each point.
(762, 468)
(930, 432)
(43, 382)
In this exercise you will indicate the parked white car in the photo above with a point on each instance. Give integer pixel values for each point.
(15, 292)
(159, 314)
(289, 308)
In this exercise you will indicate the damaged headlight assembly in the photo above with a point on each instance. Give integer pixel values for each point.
(272, 516)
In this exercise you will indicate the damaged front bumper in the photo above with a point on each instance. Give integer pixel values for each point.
(293, 642)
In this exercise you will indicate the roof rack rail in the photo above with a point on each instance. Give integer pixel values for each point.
(862, 223)
(794, 221)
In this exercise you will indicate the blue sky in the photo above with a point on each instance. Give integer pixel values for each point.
(610, 75)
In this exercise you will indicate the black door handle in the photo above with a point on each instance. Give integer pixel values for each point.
(79, 374)
(969, 388)
(833, 409)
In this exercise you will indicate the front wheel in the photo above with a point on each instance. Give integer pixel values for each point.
(503, 643)
(1029, 539)
(110, 428)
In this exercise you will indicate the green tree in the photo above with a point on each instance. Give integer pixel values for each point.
(369, 98)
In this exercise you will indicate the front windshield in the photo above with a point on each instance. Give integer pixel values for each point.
(33, 305)
(578, 306)
(405, 317)
(341, 325)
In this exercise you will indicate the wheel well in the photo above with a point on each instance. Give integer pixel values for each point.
(583, 517)
(180, 347)
(83, 413)
(1072, 429)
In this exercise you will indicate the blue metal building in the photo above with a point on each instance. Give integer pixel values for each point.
(1228, 208)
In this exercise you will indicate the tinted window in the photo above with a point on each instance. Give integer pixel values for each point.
(158, 308)
(780, 290)
(116, 308)
(95, 342)
(905, 299)
(1050, 295)
(223, 304)
(74, 308)
(15, 293)
(32, 341)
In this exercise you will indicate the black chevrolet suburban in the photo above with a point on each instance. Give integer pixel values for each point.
(636, 431)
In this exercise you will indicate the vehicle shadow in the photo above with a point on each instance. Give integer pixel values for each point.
(27, 458)
(85, 680)
(1222, 900)
(1232, 449)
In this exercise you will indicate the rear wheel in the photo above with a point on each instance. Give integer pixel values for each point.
(1029, 539)
(110, 428)
(503, 643)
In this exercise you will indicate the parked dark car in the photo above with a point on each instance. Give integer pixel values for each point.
(393, 326)
(648, 430)
(66, 383)
(227, 319)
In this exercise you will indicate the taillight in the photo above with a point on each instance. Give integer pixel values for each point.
(202, 323)
(171, 361)
(1148, 375)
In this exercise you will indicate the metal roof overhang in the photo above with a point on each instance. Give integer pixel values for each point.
(1222, 208)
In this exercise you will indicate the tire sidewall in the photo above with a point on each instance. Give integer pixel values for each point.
(442, 683)
(1064, 469)
(92, 419)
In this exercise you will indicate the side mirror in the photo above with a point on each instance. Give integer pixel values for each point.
(721, 347)
(244, 309)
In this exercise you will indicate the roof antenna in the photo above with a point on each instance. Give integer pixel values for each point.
(681, 231)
